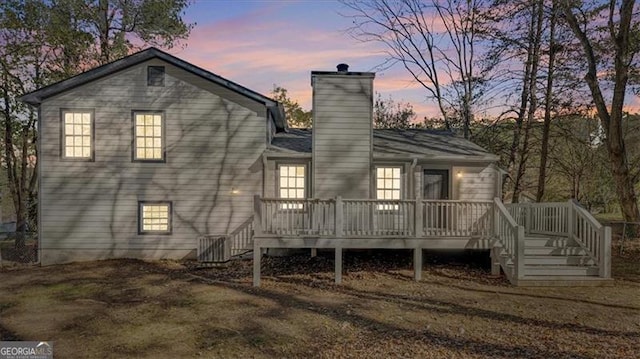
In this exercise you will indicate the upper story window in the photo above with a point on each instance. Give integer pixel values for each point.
(154, 217)
(148, 144)
(292, 184)
(388, 186)
(77, 134)
(155, 76)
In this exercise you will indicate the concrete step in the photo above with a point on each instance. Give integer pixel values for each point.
(574, 260)
(554, 251)
(560, 270)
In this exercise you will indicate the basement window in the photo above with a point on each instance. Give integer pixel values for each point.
(154, 217)
(155, 76)
(388, 186)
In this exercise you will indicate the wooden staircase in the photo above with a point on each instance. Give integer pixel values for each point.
(218, 250)
(552, 261)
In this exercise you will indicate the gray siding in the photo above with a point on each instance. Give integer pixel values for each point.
(476, 183)
(342, 121)
(214, 141)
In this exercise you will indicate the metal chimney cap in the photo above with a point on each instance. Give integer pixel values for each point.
(343, 67)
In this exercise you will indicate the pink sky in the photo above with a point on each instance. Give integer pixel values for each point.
(260, 44)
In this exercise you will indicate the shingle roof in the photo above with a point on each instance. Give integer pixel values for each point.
(393, 143)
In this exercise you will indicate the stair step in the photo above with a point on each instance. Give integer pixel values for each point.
(560, 270)
(577, 260)
(549, 242)
(554, 251)
(563, 281)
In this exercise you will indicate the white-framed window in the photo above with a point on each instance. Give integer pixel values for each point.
(77, 134)
(148, 136)
(292, 184)
(388, 185)
(154, 217)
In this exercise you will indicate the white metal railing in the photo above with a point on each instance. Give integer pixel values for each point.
(511, 235)
(591, 235)
(541, 218)
(456, 218)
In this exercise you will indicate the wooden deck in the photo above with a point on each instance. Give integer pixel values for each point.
(533, 244)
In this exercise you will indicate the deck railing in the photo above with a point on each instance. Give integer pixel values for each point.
(295, 217)
(511, 235)
(456, 218)
(373, 218)
(591, 235)
(541, 218)
(567, 219)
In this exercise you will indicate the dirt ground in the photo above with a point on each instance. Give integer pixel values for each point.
(129, 308)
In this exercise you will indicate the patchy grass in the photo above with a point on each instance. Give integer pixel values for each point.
(128, 308)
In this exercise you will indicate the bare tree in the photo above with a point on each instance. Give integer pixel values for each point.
(620, 40)
(435, 41)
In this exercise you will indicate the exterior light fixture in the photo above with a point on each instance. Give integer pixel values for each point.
(235, 190)
(459, 174)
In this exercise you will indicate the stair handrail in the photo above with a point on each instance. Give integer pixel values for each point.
(240, 241)
(589, 233)
(510, 235)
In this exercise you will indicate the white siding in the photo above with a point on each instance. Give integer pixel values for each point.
(342, 122)
(214, 141)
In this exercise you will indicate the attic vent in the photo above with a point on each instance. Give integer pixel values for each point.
(155, 76)
(343, 67)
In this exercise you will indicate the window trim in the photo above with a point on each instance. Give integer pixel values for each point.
(134, 137)
(400, 190)
(141, 204)
(306, 181)
(151, 68)
(92, 121)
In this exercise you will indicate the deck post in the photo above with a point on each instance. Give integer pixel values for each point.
(418, 221)
(257, 256)
(417, 264)
(570, 219)
(605, 253)
(495, 261)
(257, 216)
(519, 255)
(528, 217)
(339, 218)
(338, 265)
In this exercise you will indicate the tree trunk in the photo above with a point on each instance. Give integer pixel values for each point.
(546, 127)
(611, 120)
(534, 59)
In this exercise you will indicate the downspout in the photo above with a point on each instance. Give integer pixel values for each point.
(264, 175)
(39, 167)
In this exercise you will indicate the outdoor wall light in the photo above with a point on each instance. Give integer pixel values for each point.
(234, 190)
(459, 174)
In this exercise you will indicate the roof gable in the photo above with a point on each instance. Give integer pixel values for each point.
(36, 97)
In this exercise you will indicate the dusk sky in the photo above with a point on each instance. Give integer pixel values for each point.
(262, 43)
